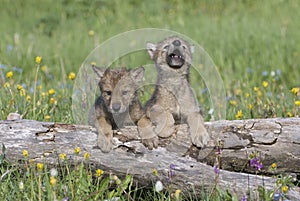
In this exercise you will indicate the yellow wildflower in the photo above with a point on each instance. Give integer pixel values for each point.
(289, 114)
(22, 92)
(31, 161)
(53, 181)
(44, 68)
(93, 63)
(76, 150)
(295, 91)
(239, 114)
(71, 76)
(6, 85)
(40, 166)
(232, 102)
(47, 117)
(274, 165)
(247, 95)
(53, 101)
(256, 89)
(25, 153)
(155, 172)
(28, 98)
(99, 172)
(177, 193)
(284, 189)
(297, 103)
(238, 92)
(63, 156)
(9, 74)
(38, 59)
(91, 33)
(19, 87)
(51, 91)
(250, 106)
(265, 84)
(86, 156)
(259, 93)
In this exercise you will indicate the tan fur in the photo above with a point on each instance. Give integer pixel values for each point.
(118, 104)
(173, 100)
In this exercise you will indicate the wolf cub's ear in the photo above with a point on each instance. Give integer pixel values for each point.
(151, 49)
(137, 74)
(99, 71)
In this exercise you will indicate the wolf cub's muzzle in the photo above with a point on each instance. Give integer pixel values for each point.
(116, 107)
(175, 57)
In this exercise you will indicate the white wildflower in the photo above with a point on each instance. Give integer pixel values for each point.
(158, 186)
(53, 172)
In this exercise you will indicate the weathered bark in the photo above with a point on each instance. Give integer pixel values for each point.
(278, 140)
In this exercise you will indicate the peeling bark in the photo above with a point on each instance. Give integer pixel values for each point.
(278, 140)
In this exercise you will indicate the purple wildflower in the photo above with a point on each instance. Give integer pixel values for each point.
(244, 198)
(219, 151)
(172, 170)
(172, 173)
(276, 197)
(265, 73)
(216, 169)
(172, 166)
(254, 162)
(259, 166)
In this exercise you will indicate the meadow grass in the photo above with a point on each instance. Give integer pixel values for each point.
(254, 44)
(249, 41)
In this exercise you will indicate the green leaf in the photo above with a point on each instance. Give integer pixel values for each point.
(104, 184)
(126, 181)
(2, 156)
(3, 149)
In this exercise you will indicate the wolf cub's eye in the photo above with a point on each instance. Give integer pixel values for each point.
(166, 47)
(107, 93)
(124, 93)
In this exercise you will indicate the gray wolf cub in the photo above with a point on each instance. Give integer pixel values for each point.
(173, 100)
(118, 105)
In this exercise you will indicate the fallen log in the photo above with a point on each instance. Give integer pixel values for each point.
(277, 140)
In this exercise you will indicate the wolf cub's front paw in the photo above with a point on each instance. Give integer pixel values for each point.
(147, 134)
(104, 144)
(151, 143)
(200, 139)
(149, 137)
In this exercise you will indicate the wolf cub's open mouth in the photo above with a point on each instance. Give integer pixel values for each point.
(175, 57)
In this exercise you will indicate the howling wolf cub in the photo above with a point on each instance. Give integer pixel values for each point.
(118, 104)
(173, 100)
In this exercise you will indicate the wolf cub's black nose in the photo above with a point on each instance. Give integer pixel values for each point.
(116, 106)
(176, 42)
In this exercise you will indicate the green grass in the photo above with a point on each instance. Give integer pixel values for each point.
(74, 177)
(251, 42)
(247, 40)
